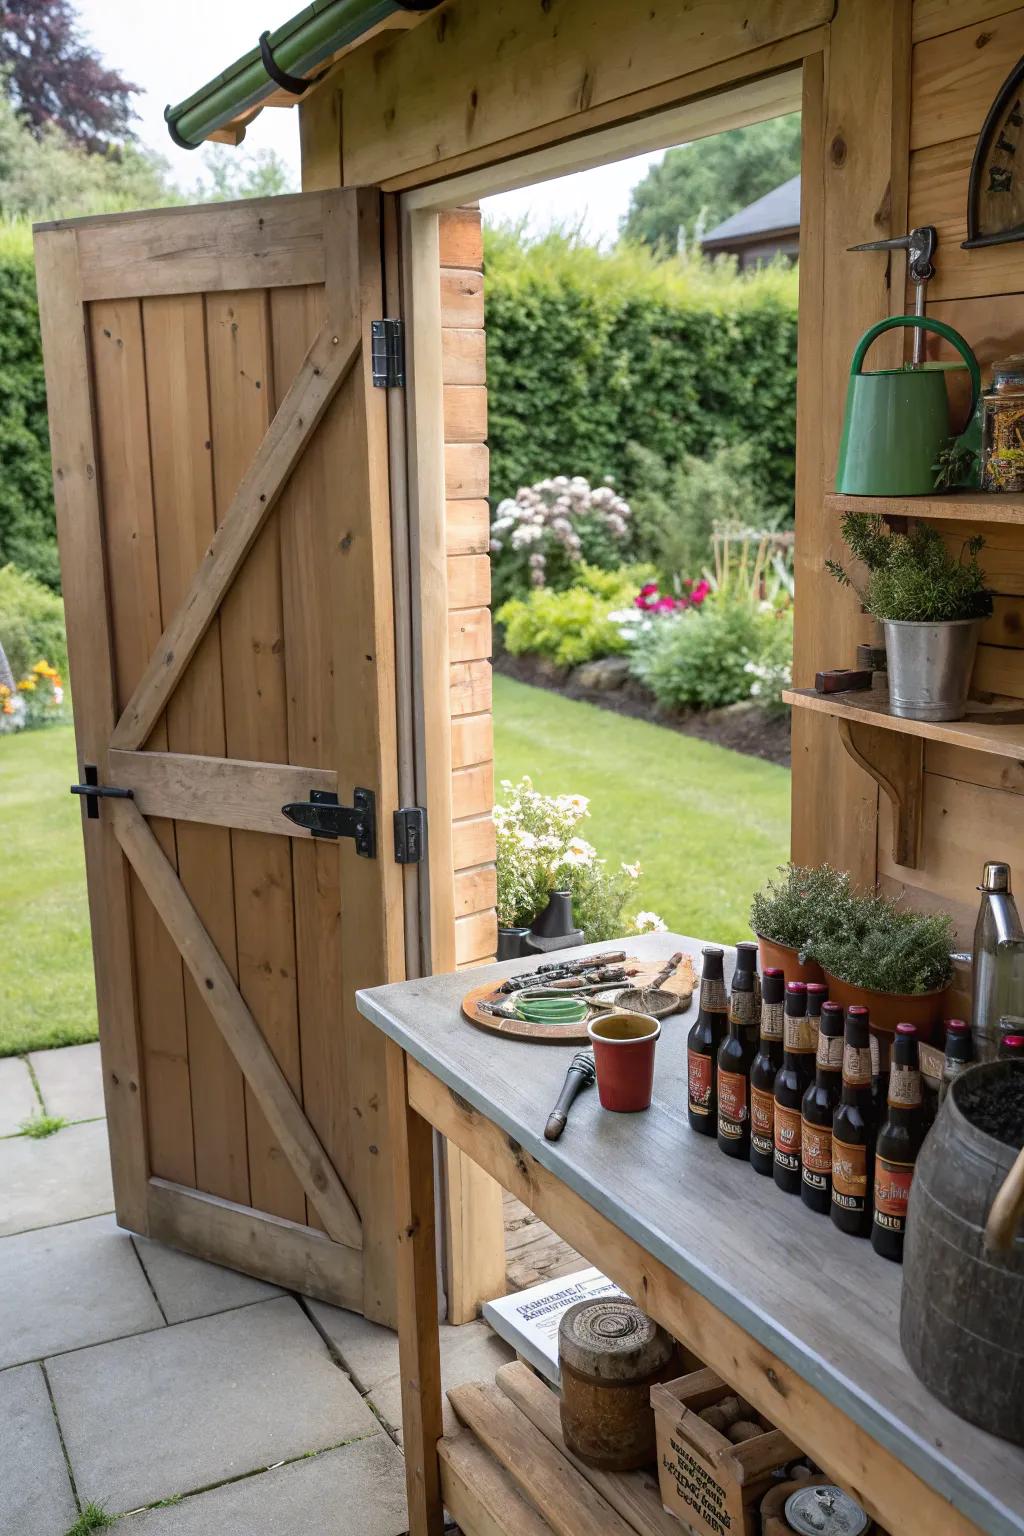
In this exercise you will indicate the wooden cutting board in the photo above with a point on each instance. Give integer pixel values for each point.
(682, 984)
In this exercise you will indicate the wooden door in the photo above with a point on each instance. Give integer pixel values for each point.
(221, 477)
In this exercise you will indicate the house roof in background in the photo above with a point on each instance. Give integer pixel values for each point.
(778, 210)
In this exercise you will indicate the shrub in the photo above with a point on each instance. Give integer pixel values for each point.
(573, 626)
(540, 538)
(798, 902)
(589, 350)
(31, 623)
(27, 535)
(707, 658)
(889, 949)
(913, 577)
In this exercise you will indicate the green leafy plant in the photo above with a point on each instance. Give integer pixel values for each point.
(572, 626)
(887, 948)
(953, 465)
(93, 1518)
(800, 901)
(913, 577)
(724, 652)
(31, 622)
(41, 1126)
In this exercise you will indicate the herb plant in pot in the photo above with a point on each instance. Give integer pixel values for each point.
(931, 604)
(795, 904)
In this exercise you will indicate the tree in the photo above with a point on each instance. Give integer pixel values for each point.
(708, 180)
(55, 77)
(233, 175)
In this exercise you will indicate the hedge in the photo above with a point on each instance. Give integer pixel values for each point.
(588, 350)
(27, 536)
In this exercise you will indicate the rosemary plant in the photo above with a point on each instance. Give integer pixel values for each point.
(912, 577)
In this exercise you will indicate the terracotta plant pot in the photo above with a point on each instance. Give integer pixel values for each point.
(926, 1010)
(624, 1057)
(787, 960)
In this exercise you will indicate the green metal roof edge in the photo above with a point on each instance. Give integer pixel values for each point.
(297, 47)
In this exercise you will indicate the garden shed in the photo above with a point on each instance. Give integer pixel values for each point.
(269, 426)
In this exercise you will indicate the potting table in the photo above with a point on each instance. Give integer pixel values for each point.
(799, 1318)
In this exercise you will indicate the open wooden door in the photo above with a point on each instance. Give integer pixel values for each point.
(221, 476)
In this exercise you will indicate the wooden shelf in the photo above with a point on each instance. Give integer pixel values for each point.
(997, 727)
(954, 506)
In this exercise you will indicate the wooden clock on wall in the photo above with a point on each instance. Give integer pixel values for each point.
(995, 192)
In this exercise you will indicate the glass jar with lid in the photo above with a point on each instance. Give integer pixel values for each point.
(1002, 454)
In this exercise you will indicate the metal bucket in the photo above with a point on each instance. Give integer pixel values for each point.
(930, 667)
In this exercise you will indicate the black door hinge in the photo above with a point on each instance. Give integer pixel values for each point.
(387, 353)
(410, 834)
(92, 791)
(324, 817)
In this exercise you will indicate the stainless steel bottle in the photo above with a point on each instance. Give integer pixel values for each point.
(998, 980)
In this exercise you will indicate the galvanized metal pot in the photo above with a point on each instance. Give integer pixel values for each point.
(930, 667)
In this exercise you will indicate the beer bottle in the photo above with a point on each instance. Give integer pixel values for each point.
(735, 1055)
(742, 995)
(853, 1127)
(702, 1045)
(749, 996)
(817, 996)
(817, 1111)
(762, 1072)
(791, 1082)
(899, 1142)
(959, 1053)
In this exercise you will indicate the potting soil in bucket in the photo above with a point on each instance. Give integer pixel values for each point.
(962, 1311)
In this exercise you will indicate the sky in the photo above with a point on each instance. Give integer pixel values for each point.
(170, 51)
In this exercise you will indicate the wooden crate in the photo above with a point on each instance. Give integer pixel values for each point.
(711, 1485)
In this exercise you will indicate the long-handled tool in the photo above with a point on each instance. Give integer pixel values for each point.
(581, 1074)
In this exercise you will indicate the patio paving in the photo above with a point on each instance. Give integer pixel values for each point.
(132, 1375)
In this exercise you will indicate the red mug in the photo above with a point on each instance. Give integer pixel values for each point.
(624, 1057)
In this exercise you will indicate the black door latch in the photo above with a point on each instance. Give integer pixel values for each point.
(92, 791)
(324, 817)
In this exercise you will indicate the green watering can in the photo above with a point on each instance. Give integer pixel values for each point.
(897, 420)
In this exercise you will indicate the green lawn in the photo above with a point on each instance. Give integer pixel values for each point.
(47, 995)
(706, 824)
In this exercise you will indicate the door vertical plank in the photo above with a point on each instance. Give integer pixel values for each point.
(242, 402)
(306, 513)
(175, 332)
(122, 431)
(83, 574)
(372, 926)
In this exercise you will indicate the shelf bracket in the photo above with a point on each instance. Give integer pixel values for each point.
(896, 763)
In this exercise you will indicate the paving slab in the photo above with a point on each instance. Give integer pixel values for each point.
(70, 1286)
(194, 1404)
(60, 1178)
(472, 1352)
(71, 1081)
(18, 1100)
(188, 1287)
(36, 1491)
(357, 1488)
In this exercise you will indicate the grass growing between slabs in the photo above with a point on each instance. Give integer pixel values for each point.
(707, 825)
(47, 997)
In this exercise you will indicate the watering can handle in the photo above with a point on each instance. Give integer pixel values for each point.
(922, 323)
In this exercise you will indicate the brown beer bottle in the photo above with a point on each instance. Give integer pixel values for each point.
(791, 1082)
(959, 1053)
(702, 1045)
(817, 1111)
(763, 1069)
(853, 1131)
(746, 998)
(735, 1055)
(899, 1142)
(817, 997)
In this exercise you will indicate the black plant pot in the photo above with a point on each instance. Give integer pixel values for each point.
(512, 943)
(553, 928)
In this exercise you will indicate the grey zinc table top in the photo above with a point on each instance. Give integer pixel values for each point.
(825, 1303)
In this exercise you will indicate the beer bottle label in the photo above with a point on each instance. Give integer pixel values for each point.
(904, 1087)
(816, 1154)
(876, 1055)
(732, 1103)
(699, 1075)
(830, 1052)
(849, 1174)
(762, 1120)
(800, 1033)
(713, 997)
(857, 1065)
(892, 1190)
(772, 1016)
(787, 1136)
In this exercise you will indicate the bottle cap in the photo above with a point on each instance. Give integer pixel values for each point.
(832, 1018)
(957, 1027)
(772, 970)
(822, 1509)
(995, 877)
(746, 955)
(907, 1029)
(1012, 1043)
(856, 1010)
(796, 986)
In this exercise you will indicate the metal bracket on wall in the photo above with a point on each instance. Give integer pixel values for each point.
(410, 834)
(324, 817)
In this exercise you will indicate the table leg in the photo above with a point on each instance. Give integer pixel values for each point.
(412, 1141)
